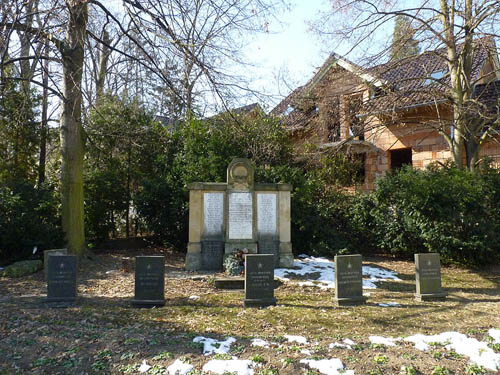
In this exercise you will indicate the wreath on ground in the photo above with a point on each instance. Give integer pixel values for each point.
(234, 264)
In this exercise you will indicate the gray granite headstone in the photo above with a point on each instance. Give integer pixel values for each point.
(259, 280)
(349, 280)
(428, 277)
(270, 247)
(48, 253)
(61, 278)
(212, 253)
(149, 281)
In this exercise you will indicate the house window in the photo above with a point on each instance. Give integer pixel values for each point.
(400, 157)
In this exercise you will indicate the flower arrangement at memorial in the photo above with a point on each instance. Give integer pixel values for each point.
(234, 264)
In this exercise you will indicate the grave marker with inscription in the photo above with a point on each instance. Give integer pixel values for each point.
(212, 253)
(349, 280)
(259, 280)
(240, 216)
(61, 278)
(428, 277)
(149, 281)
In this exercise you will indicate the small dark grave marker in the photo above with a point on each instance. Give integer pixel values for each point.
(212, 253)
(270, 247)
(349, 280)
(259, 280)
(149, 281)
(61, 278)
(428, 277)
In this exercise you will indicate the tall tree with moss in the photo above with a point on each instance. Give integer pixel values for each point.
(403, 41)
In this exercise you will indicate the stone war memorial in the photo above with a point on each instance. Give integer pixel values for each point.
(428, 277)
(236, 215)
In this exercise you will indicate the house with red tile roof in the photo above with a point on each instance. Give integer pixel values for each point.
(392, 114)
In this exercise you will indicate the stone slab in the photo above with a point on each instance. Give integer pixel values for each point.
(149, 281)
(212, 254)
(428, 277)
(259, 280)
(349, 280)
(61, 278)
(267, 221)
(213, 215)
(240, 216)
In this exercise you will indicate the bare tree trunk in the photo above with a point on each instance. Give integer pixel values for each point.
(44, 123)
(72, 141)
(103, 64)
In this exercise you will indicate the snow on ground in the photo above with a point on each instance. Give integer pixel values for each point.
(211, 346)
(144, 367)
(387, 341)
(194, 297)
(238, 366)
(179, 368)
(298, 339)
(321, 273)
(389, 304)
(346, 343)
(495, 334)
(332, 366)
(477, 351)
(260, 342)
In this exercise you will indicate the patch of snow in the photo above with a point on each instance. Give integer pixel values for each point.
(477, 351)
(495, 334)
(389, 304)
(299, 339)
(194, 297)
(332, 366)
(111, 271)
(321, 272)
(260, 342)
(35, 249)
(347, 343)
(179, 368)
(211, 346)
(239, 366)
(306, 352)
(144, 367)
(387, 341)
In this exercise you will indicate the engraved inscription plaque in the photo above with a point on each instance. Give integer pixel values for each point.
(213, 215)
(428, 277)
(240, 216)
(212, 253)
(266, 215)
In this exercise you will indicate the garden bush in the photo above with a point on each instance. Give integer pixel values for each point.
(447, 210)
(30, 217)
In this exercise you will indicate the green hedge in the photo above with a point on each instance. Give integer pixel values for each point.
(30, 217)
(447, 210)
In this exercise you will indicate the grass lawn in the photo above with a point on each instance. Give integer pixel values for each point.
(103, 334)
